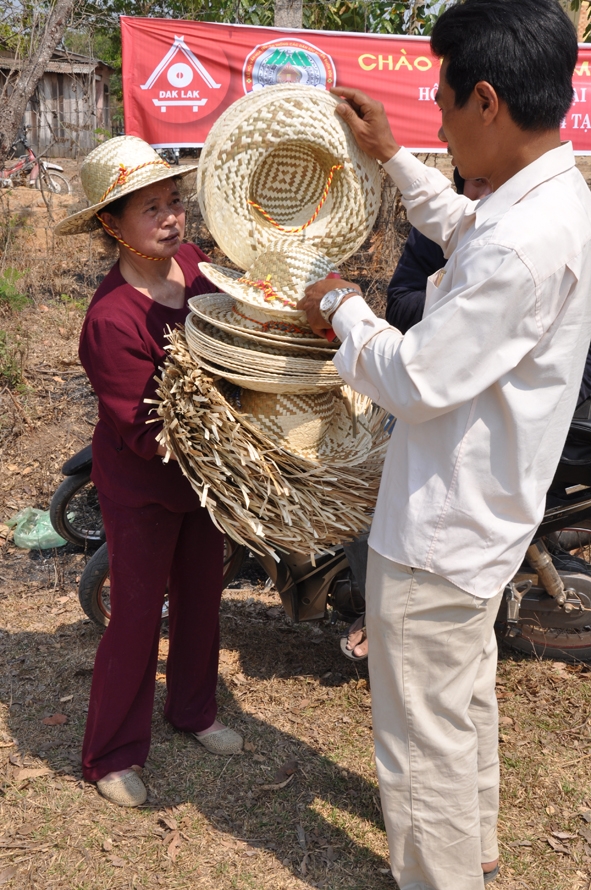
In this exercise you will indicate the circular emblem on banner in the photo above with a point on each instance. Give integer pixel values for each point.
(179, 75)
(288, 61)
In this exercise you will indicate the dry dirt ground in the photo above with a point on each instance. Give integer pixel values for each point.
(212, 822)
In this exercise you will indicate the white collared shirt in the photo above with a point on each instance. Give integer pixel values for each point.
(484, 387)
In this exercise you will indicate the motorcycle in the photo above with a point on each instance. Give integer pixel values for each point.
(304, 588)
(31, 169)
(546, 610)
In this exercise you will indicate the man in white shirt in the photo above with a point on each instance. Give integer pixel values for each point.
(483, 388)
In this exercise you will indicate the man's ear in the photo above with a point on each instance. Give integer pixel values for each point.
(487, 100)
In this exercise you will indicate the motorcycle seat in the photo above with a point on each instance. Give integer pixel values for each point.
(78, 462)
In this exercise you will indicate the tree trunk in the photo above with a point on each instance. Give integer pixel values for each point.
(288, 13)
(13, 107)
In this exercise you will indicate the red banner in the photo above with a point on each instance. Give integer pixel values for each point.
(179, 76)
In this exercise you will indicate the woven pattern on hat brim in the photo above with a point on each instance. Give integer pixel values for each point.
(229, 282)
(86, 221)
(294, 130)
(220, 311)
(255, 491)
(206, 342)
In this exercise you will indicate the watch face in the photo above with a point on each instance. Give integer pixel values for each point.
(328, 300)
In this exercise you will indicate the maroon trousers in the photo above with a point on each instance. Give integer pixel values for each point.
(148, 548)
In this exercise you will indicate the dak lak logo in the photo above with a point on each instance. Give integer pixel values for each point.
(177, 88)
(288, 61)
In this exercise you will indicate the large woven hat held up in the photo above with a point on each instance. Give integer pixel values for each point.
(113, 169)
(281, 164)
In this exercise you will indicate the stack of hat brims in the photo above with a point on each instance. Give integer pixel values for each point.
(253, 407)
(293, 472)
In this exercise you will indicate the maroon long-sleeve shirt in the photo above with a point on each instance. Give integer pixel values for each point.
(121, 348)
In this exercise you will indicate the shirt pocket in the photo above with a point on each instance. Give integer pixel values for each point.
(436, 288)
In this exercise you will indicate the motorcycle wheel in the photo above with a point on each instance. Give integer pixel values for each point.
(94, 591)
(75, 512)
(53, 182)
(571, 640)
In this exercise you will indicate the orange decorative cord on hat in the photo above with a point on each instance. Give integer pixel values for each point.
(125, 173)
(294, 229)
(144, 256)
(287, 327)
(269, 291)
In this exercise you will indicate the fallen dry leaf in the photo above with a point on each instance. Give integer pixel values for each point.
(7, 744)
(107, 845)
(66, 697)
(558, 848)
(174, 845)
(169, 822)
(506, 721)
(285, 771)
(117, 861)
(563, 835)
(7, 874)
(275, 786)
(248, 746)
(21, 775)
(55, 720)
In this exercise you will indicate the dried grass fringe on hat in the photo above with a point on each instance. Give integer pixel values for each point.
(260, 494)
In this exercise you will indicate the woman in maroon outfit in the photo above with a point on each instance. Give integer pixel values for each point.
(157, 534)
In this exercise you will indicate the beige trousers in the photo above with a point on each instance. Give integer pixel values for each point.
(432, 663)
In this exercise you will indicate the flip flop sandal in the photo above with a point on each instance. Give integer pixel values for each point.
(490, 876)
(358, 624)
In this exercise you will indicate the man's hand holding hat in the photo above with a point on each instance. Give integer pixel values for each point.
(368, 123)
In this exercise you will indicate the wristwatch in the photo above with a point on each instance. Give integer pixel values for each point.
(331, 301)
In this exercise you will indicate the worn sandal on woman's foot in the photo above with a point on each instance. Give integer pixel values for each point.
(126, 790)
(358, 625)
(221, 741)
(491, 875)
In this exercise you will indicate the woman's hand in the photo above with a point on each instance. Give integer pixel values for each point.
(161, 451)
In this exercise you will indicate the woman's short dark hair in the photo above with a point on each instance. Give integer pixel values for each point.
(525, 49)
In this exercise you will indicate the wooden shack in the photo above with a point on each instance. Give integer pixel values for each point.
(70, 109)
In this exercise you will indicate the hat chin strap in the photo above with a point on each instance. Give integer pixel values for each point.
(144, 256)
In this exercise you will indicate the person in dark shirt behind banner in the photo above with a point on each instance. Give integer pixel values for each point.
(157, 532)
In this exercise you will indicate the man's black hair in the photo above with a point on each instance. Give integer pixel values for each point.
(525, 49)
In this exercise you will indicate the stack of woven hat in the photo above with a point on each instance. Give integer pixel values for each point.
(280, 451)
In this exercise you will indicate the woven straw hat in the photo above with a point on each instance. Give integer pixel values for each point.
(276, 280)
(223, 312)
(113, 169)
(281, 164)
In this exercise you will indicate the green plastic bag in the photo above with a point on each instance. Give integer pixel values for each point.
(33, 530)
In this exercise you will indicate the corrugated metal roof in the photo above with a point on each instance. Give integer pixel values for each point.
(60, 63)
